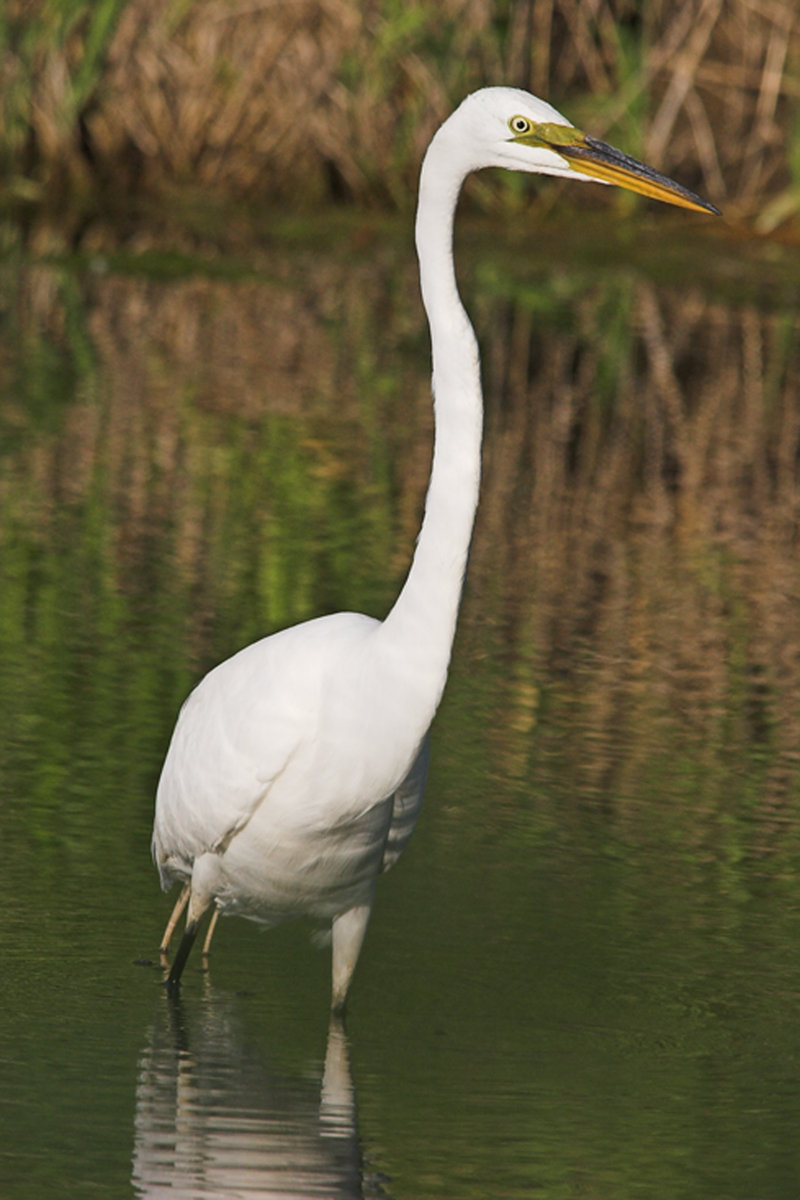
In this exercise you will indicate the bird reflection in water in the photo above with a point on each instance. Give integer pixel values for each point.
(215, 1120)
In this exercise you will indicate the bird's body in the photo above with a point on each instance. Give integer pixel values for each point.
(276, 721)
(296, 770)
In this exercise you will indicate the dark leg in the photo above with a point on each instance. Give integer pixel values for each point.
(179, 962)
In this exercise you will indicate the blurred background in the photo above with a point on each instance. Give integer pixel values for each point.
(215, 420)
(331, 100)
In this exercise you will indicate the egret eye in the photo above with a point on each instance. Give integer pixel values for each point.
(520, 125)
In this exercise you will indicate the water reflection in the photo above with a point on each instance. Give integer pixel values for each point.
(589, 956)
(215, 1118)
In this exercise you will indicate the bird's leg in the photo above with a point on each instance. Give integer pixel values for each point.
(212, 925)
(197, 906)
(180, 905)
(347, 931)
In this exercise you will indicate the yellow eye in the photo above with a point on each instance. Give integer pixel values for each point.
(520, 126)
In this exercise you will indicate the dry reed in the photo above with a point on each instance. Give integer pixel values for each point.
(317, 99)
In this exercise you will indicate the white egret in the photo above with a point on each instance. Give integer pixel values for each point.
(296, 769)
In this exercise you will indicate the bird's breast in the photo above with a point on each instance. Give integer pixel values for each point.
(317, 871)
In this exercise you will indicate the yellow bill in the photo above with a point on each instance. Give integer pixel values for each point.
(601, 161)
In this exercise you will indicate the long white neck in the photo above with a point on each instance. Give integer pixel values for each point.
(421, 625)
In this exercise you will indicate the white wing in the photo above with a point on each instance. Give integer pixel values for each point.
(406, 803)
(238, 731)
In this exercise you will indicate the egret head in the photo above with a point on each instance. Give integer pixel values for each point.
(507, 127)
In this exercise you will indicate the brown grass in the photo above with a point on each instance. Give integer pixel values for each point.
(311, 99)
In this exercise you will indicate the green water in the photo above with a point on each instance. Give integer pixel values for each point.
(582, 979)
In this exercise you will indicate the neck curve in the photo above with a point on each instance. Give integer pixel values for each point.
(421, 625)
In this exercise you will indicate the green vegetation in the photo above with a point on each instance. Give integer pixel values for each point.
(103, 101)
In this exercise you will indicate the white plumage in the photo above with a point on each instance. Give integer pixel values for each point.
(297, 767)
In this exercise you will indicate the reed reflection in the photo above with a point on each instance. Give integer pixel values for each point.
(214, 1118)
(171, 494)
